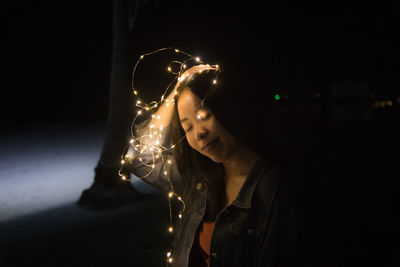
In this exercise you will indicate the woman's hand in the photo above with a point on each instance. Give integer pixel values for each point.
(195, 69)
(164, 114)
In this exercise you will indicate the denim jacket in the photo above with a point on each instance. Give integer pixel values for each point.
(260, 228)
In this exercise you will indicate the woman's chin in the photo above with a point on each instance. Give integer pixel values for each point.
(216, 158)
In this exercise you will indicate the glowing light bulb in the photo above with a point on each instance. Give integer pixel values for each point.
(138, 102)
(179, 198)
(168, 254)
(169, 161)
(176, 50)
(131, 141)
(197, 59)
(142, 56)
(170, 194)
(165, 173)
(170, 229)
(215, 81)
(170, 260)
(180, 216)
(169, 68)
(135, 92)
(139, 112)
(122, 161)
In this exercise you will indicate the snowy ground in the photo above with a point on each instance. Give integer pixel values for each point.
(42, 175)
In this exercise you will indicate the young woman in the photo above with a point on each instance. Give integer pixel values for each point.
(238, 209)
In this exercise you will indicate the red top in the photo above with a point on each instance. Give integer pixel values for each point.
(205, 239)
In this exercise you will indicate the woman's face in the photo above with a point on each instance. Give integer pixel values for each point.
(203, 132)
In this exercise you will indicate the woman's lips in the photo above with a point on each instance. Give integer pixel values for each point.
(210, 145)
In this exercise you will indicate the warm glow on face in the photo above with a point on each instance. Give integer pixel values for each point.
(203, 132)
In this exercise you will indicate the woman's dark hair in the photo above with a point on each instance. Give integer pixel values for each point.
(193, 166)
(236, 113)
(242, 108)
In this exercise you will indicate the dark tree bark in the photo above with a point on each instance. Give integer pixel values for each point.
(108, 189)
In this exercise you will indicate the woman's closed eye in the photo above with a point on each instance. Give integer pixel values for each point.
(188, 129)
(202, 115)
(206, 117)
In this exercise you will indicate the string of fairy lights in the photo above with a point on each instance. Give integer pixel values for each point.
(149, 144)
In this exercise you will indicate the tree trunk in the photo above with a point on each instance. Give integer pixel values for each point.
(108, 189)
(120, 105)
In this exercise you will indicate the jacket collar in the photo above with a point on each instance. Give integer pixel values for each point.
(258, 171)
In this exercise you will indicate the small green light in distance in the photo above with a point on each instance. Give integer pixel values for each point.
(277, 97)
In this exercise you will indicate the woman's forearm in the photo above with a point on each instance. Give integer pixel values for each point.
(152, 135)
(162, 118)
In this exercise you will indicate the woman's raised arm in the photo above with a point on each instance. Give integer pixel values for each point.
(145, 161)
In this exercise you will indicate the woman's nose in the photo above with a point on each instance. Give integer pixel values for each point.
(201, 133)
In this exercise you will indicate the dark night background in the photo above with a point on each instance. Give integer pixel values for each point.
(55, 69)
(56, 56)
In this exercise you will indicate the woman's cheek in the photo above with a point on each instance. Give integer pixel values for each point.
(190, 141)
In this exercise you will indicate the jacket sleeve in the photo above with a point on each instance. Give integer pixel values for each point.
(160, 172)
